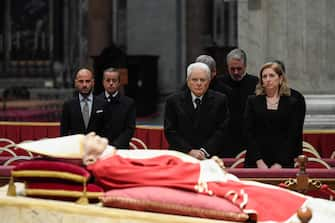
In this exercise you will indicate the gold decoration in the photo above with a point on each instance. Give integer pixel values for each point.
(11, 187)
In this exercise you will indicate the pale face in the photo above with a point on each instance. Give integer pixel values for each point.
(84, 82)
(236, 69)
(271, 80)
(111, 82)
(198, 82)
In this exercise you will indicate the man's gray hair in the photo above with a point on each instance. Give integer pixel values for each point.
(237, 54)
(198, 65)
(206, 59)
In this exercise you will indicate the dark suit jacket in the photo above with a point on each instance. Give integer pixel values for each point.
(119, 120)
(217, 84)
(272, 134)
(235, 140)
(184, 133)
(72, 121)
(301, 114)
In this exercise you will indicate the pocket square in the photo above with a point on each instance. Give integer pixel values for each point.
(99, 111)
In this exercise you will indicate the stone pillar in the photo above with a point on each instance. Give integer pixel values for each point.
(300, 33)
(75, 38)
(152, 30)
(7, 38)
(100, 29)
(83, 32)
(198, 28)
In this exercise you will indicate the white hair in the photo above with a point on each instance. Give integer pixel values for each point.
(198, 65)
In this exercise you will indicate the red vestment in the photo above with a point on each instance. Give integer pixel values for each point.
(170, 171)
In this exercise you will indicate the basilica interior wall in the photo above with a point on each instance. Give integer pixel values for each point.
(300, 33)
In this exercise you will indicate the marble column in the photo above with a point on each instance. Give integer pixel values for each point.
(300, 33)
(99, 26)
(152, 29)
(75, 37)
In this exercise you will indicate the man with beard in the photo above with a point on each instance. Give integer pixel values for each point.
(242, 85)
(84, 112)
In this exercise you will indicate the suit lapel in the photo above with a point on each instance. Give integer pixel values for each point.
(262, 103)
(78, 111)
(206, 103)
(284, 103)
(92, 113)
(187, 104)
(206, 106)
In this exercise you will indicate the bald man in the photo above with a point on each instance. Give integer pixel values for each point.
(84, 112)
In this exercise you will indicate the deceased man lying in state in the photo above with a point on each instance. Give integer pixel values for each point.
(114, 168)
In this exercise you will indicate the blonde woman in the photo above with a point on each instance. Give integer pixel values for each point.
(272, 123)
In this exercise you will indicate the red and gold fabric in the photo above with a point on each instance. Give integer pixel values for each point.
(203, 177)
(54, 179)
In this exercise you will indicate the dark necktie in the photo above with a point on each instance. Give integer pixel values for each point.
(86, 112)
(197, 112)
(197, 104)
